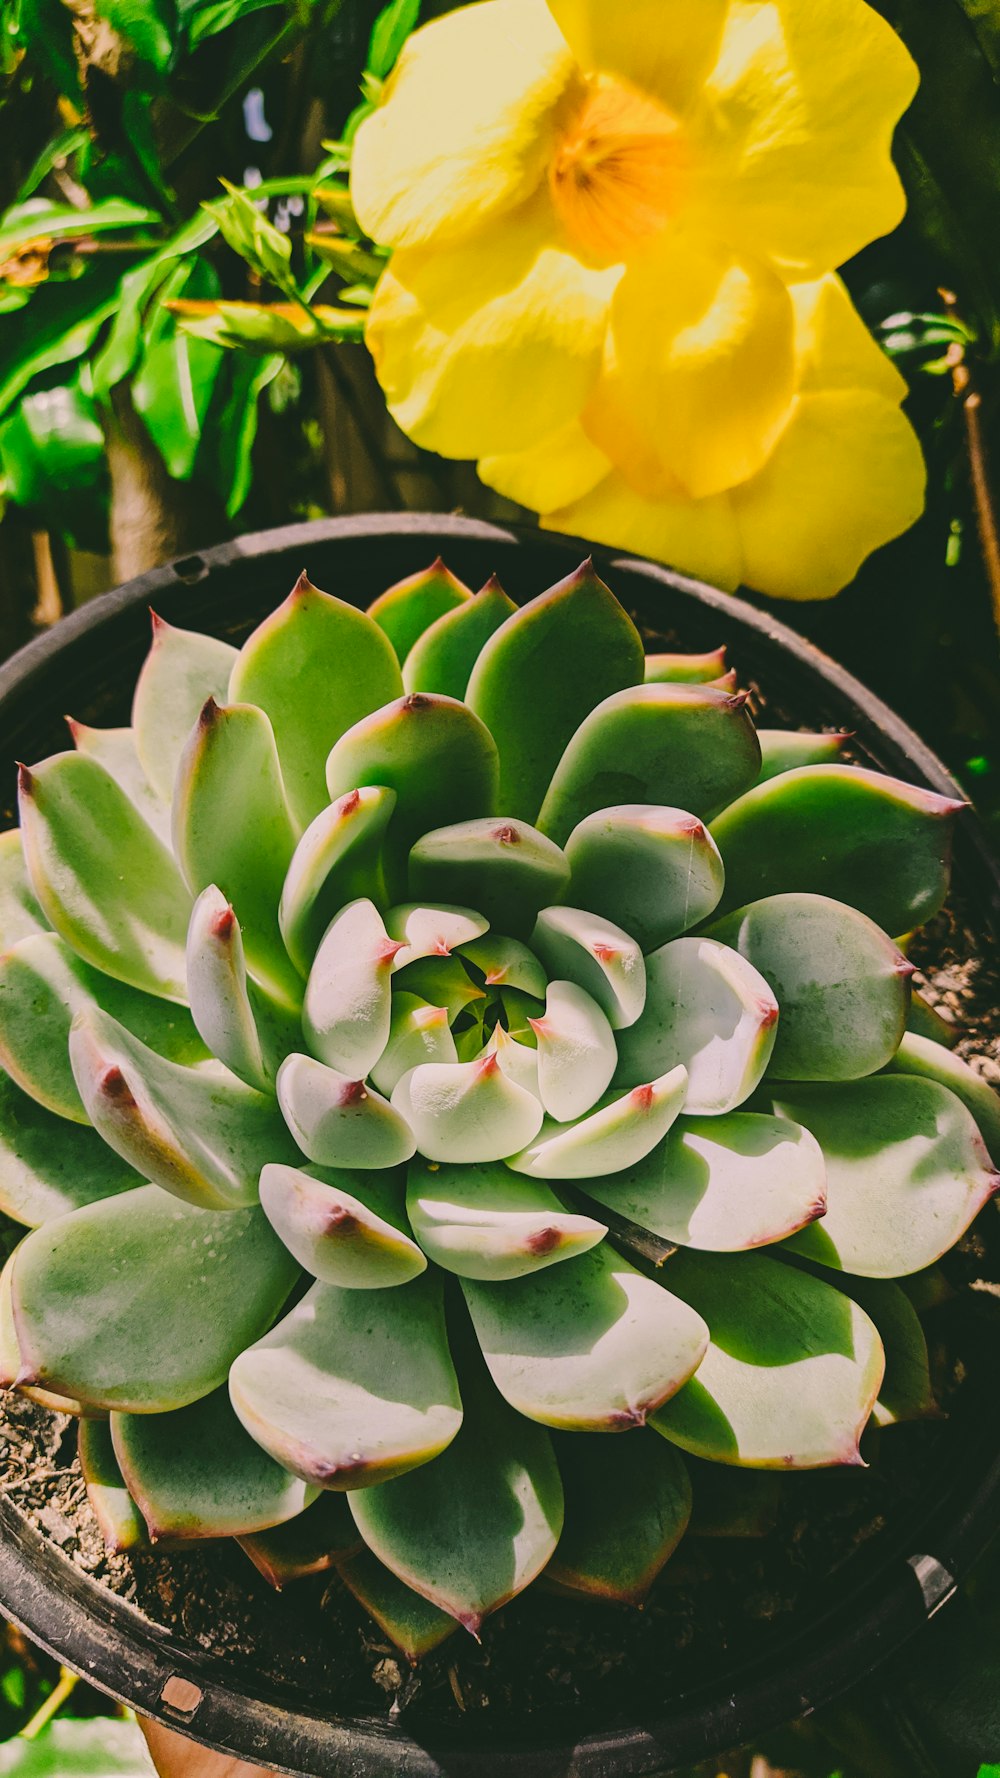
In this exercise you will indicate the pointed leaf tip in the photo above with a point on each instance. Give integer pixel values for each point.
(25, 779)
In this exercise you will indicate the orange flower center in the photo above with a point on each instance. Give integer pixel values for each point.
(616, 170)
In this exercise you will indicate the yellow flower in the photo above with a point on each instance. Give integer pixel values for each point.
(614, 226)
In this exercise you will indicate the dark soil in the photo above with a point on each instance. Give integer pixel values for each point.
(718, 1601)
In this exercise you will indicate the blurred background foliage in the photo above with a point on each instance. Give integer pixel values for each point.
(182, 297)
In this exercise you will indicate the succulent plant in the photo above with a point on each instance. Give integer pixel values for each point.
(456, 1069)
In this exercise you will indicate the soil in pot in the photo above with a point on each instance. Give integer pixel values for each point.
(720, 1599)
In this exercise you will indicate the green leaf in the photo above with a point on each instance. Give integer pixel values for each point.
(410, 607)
(783, 750)
(108, 886)
(347, 1009)
(921, 1056)
(115, 358)
(709, 1010)
(431, 929)
(434, 753)
(474, 1528)
(196, 1472)
(686, 669)
(733, 1502)
(229, 784)
(345, 1228)
(149, 26)
(871, 841)
(313, 1542)
(504, 868)
(20, 914)
(316, 666)
(443, 657)
(44, 28)
(654, 871)
(628, 1502)
(577, 1056)
(906, 1392)
(226, 455)
(62, 222)
(53, 461)
(206, 18)
(113, 1306)
(598, 956)
(389, 33)
(542, 673)
(482, 1221)
(907, 1171)
(591, 1345)
(197, 1132)
(337, 860)
(340, 1122)
(119, 1520)
(722, 1183)
(466, 1111)
(78, 1747)
(352, 1388)
(842, 986)
(48, 1166)
(247, 230)
(417, 1033)
(412, 1623)
(173, 383)
(505, 963)
(241, 1024)
(115, 749)
(43, 985)
(58, 326)
(182, 670)
(792, 1371)
(616, 1134)
(692, 742)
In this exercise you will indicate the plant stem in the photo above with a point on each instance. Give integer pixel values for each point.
(979, 476)
(986, 517)
(57, 1697)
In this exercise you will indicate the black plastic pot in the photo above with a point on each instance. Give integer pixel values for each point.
(88, 665)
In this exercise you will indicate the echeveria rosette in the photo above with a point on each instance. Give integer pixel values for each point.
(436, 1040)
(615, 227)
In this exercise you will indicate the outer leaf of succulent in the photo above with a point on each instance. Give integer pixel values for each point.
(425, 1043)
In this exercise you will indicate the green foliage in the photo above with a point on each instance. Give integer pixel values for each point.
(75, 1748)
(183, 306)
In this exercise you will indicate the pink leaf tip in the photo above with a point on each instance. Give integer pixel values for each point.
(223, 924)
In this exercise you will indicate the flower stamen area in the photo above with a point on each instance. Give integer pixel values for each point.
(616, 168)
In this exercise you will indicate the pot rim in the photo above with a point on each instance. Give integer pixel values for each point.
(100, 1635)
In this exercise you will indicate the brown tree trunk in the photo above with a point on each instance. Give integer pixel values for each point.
(153, 517)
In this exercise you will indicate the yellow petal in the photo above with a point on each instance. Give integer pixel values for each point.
(467, 125)
(702, 375)
(834, 349)
(791, 140)
(488, 346)
(699, 537)
(664, 47)
(847, 476)
(562, 467)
